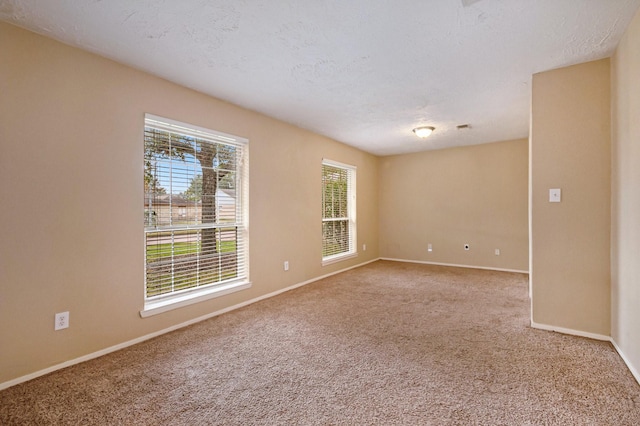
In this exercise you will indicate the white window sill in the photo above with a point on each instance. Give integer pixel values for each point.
(338, 258)
(163, 305)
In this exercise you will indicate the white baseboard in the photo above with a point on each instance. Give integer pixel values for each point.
(631, 368)
(454, 265)
(141, 339)
(570, 331)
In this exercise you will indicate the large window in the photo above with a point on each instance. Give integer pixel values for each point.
(338, 211)
(194, 212)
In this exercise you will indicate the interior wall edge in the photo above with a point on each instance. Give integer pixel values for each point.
(634, 372)
(627, 361)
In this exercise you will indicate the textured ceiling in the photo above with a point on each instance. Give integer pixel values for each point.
(364, 72)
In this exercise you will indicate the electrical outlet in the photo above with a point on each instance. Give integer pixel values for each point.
(364, 247)
(467, 247)
(555, 195)
(429, 247)
(62, 321)
(286, 265)
(497, 252)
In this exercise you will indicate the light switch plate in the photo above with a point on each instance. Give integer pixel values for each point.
(555, 195)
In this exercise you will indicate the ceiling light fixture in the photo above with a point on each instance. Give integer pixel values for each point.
(423, 132)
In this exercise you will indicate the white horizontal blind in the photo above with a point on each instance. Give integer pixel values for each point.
(338, 210)
(194, 209)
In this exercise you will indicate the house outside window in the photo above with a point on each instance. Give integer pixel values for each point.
(338, 211)
(195, 213)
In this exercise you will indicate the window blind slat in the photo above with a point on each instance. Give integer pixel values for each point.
(194, 215)
(338, 209)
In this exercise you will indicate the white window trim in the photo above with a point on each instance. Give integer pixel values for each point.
(196, 295)
(178, 301)
(351, 206)
(338, 258)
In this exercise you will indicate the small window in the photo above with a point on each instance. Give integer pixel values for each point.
(196, 238)
(338, 211)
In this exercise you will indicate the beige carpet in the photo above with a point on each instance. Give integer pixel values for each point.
(388, 343)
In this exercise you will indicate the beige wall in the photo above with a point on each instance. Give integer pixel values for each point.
(72, 194)
(625, 217)
(475, 195)
(71, 234)
(570, 149)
